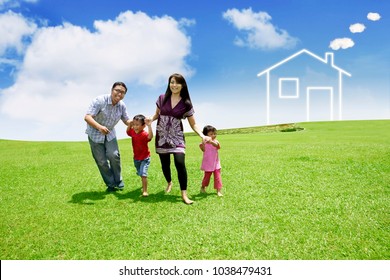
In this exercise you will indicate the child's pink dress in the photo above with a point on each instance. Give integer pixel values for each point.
(211, 164)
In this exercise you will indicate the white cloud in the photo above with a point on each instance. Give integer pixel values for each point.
(260, 32)
(7, 61)
(14, 29)
(65, 66)
(343, 43)
(8, 3)
(14, 3)
(373, 16)
(357, 28)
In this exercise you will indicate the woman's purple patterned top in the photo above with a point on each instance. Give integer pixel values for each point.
(169, 130)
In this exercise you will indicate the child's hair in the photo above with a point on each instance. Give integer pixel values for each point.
(140, 118)
(209, 128)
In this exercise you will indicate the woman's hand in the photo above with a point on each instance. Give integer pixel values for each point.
(206, 139)
(155, 116)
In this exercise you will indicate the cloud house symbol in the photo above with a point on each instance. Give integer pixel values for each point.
(304, 87)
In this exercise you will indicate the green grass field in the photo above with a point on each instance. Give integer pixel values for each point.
(313, 194)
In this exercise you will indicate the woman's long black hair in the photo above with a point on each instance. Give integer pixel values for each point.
(185, 95)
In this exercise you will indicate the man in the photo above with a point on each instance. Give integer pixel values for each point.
(103, 114)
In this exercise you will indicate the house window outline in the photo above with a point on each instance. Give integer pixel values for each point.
(281, 91)
(331, 95)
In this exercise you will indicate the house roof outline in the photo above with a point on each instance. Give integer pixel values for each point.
(328, 55)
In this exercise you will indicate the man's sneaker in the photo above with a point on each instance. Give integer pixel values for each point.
(120, 186)
(110, 189)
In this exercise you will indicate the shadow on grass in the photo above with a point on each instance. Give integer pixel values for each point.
(159, 197)
(201, 196)
(89, 198)
(136, 196)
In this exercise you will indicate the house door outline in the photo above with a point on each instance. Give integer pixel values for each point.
(311, 90)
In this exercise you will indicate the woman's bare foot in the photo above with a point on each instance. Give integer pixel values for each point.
(188, 201)
(203, 189)
(219, 193)
(169, 187)
(145, 194)
(185, 198)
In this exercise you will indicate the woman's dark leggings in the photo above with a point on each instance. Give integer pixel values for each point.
(165, 160)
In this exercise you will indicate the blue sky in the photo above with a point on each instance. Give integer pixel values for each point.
(56, 56)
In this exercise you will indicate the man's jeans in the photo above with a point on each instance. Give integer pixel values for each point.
(108, 160)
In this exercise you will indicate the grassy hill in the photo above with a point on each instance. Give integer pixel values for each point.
(315, 191)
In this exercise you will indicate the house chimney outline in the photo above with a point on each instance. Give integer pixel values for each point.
(329, 58)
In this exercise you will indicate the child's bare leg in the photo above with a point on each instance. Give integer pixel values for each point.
(169, 187)
(144, 186)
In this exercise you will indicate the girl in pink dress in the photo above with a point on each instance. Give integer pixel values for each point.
(211, 163)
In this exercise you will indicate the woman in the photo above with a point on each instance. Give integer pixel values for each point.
(173, 106)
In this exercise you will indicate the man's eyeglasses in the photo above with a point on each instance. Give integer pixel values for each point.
(119, 91)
